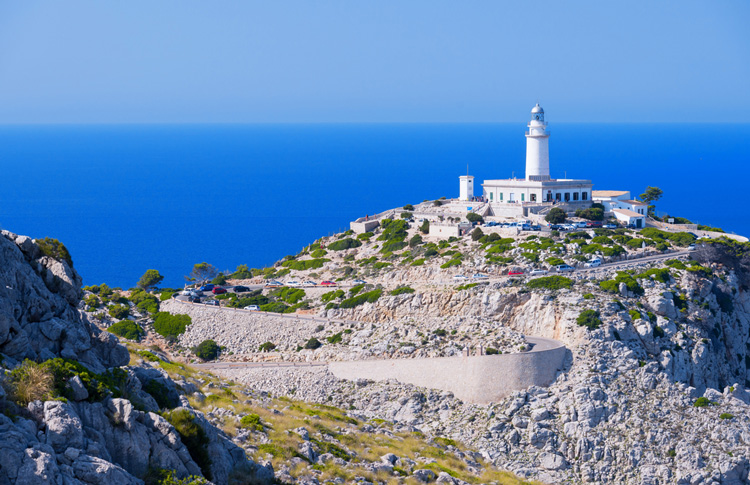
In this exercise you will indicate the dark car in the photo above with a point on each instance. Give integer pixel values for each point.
(241, 289)
(218, 290)
(213, 303)
(207, 287)
(194, 299)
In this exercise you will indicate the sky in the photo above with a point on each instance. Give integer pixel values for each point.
(245, 61)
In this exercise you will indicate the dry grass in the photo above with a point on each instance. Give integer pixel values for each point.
(30, 382)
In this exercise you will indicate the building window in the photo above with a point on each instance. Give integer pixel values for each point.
(549, 196)
(575, 195)
(501, 196)
(491, 195)
(533, 197)
(523, 197)
(567, 196)
(584, 196)
(557, 197)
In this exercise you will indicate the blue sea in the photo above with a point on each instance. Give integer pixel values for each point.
(127, 198)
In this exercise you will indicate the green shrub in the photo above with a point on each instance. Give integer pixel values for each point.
(193, 437)
(126, 329)
(92, 302)
(675, 263)
(592, 214)
(659, 274)
(346, 243)
(474, 217)
(390, 247)
(613, 286)
(207, 350)
(406, 215)
(119, 312)
(440, 332)
(274, 307)
(266, 347)
(726, 416)
(144, 301)
(365, 236)
(452, 262)
(418, 262)
(701, 402)
(242, 273)
(393, 230)
(305, 264)
(554, 261)
(171, 326)
(589, 319)
(556, 216)
(289, 295)
(319, 253)
(425, 227)
(409, 207)
(401, 290)
(588, 296)
(251, 421)
(381, 265)
(335, 338)
(312, 344)
(466, 286)
(54, 249)
(634, 314)
(331, 295)
(491, 351)
(550, 282)
(658, 332)
(370, 296)
(415, 241)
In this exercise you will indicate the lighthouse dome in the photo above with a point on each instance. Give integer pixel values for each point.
(537, 109)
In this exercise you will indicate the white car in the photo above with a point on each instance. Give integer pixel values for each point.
(359, 282)
(479, 276)
(460, 277)
(610, 226)
(535, 272)
(563, 268)
(309, 283)
(691, 247)
(254, 308)
(580, 225)
(292, 283)
(593, 263)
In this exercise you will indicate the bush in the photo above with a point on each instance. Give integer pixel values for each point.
(274, 307)
(393, 230)
(556, 216)
(289, 295)
(613, 286)
(452, 262)
(589, 319)
(171, 326)
(335, 338)
(356, 289)
(331, 295)
(144, 301)
(476, 234)
(242, 273)
(726, 416)
(312, 344)
(193, 437)
(207, 350)
(440, 332)
(251, 421)
(119, 312)
(150, 279)
(701, 402)
(550, 283)
(409, 207)
(425, 227)
(592, 214)
(401, 290)
(54, 249)
(365, 236)
(390, 247)
(554, 261)
(266, 347)
(491, 351)
(474, 217)
(126, 329)
(406, 215)
(305, 264)
(658, 332)
(346, 243)
(369, 297)
(415, 241)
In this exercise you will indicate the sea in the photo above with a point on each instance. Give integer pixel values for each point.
(127, 198)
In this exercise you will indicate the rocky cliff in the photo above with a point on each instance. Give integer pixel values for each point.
(70, 412)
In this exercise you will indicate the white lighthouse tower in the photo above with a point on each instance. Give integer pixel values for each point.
(537, 147)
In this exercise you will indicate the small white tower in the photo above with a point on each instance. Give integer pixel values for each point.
(537, 146)
(466, 187)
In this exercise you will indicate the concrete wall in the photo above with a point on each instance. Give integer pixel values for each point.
(477, 379)
(363, 226)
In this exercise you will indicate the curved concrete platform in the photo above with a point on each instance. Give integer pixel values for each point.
(475, 379)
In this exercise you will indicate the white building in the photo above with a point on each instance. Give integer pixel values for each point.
(630, 218)
(619, 199)
(466, 183)
(510, 196)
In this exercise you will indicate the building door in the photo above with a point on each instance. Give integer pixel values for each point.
(511, 197)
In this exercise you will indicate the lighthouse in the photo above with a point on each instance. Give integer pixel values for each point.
(537, 147)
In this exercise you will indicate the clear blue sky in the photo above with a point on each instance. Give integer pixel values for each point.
(373, 61)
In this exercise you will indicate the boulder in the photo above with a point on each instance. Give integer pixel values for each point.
(424, 475)
(77, 389)
(64, 427)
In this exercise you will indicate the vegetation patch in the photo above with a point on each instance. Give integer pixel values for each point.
(193, 437)
(550, 283)
(402, 290)
(207, 350)
(589, 319)
(361, 299)
(171, 326)
(127, 329)
(54, 249)
(346, 243)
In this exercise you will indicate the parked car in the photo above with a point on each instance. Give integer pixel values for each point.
(218, 290)
(207, 287)
(515, 272)
(187, 292)
(594, 224)
(359, 282)
(581, 225)
(460, 277)
(491, 224)
(327, 283)
(478, 276)
(610, 226)
(292, 283)
(241, 289)
(554, 227)
(525, 227)
(691, 247)
(213, 303)
(596, 262)
(194, 299)
(537, 271)
(562, 268)
(536, 227)
(309, 283)
(254, 308)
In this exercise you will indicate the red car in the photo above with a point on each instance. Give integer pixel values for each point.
(219, 290)
(515, 273)
(327, 283)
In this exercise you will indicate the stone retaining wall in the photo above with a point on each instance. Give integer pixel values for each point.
(478, 379)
